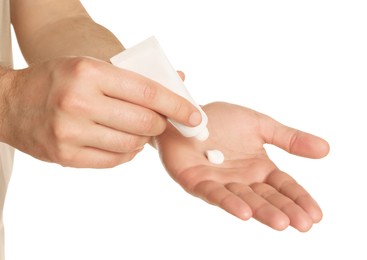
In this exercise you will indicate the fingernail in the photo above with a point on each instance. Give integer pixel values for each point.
(195, 119)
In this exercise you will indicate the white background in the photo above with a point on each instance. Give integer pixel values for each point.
(302, 62)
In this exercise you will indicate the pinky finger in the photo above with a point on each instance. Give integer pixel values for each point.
(88, 157)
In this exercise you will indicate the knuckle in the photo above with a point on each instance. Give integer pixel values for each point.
(149, 92)
(70, 92)
(82, 67)
(62, 155)
(179, 108)
(63, 134)
(64, 158)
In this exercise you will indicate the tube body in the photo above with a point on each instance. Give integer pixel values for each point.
(148, 59)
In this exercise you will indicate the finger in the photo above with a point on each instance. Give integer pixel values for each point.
(137, 89)
(299, 219)
(216, 194)
(107, 139)
(290, 188)
(128, 117)
(262, 210)
(294, 141)
(89, 157)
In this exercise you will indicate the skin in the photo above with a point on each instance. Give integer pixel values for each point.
(71, 106)
(248, 184)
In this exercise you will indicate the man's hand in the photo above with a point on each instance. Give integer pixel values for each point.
(83, 112)
(248, 184)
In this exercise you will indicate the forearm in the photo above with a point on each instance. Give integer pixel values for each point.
(69, 31)
(85, 39)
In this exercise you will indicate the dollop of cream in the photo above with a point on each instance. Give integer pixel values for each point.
(215, 156)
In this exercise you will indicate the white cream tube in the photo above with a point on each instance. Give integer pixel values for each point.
(148, 59)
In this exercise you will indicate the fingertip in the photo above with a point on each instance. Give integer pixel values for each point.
(310, 146)
(318, 148)
(161, 126)
(237, 207)
(316, 214)
(324, 148)
(272, 217)
(281, 224)
(195, 118)
(304, 226)
(245, 214)
(296, 142)
(307, 223)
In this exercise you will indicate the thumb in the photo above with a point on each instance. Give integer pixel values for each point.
(295, 141)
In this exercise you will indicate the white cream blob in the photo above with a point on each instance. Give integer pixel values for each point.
(215, 156)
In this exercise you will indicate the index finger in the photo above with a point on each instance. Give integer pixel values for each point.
(135, 88)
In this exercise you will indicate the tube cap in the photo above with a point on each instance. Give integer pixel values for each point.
(203, 135)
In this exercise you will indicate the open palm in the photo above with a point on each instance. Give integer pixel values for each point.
(248, 184)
